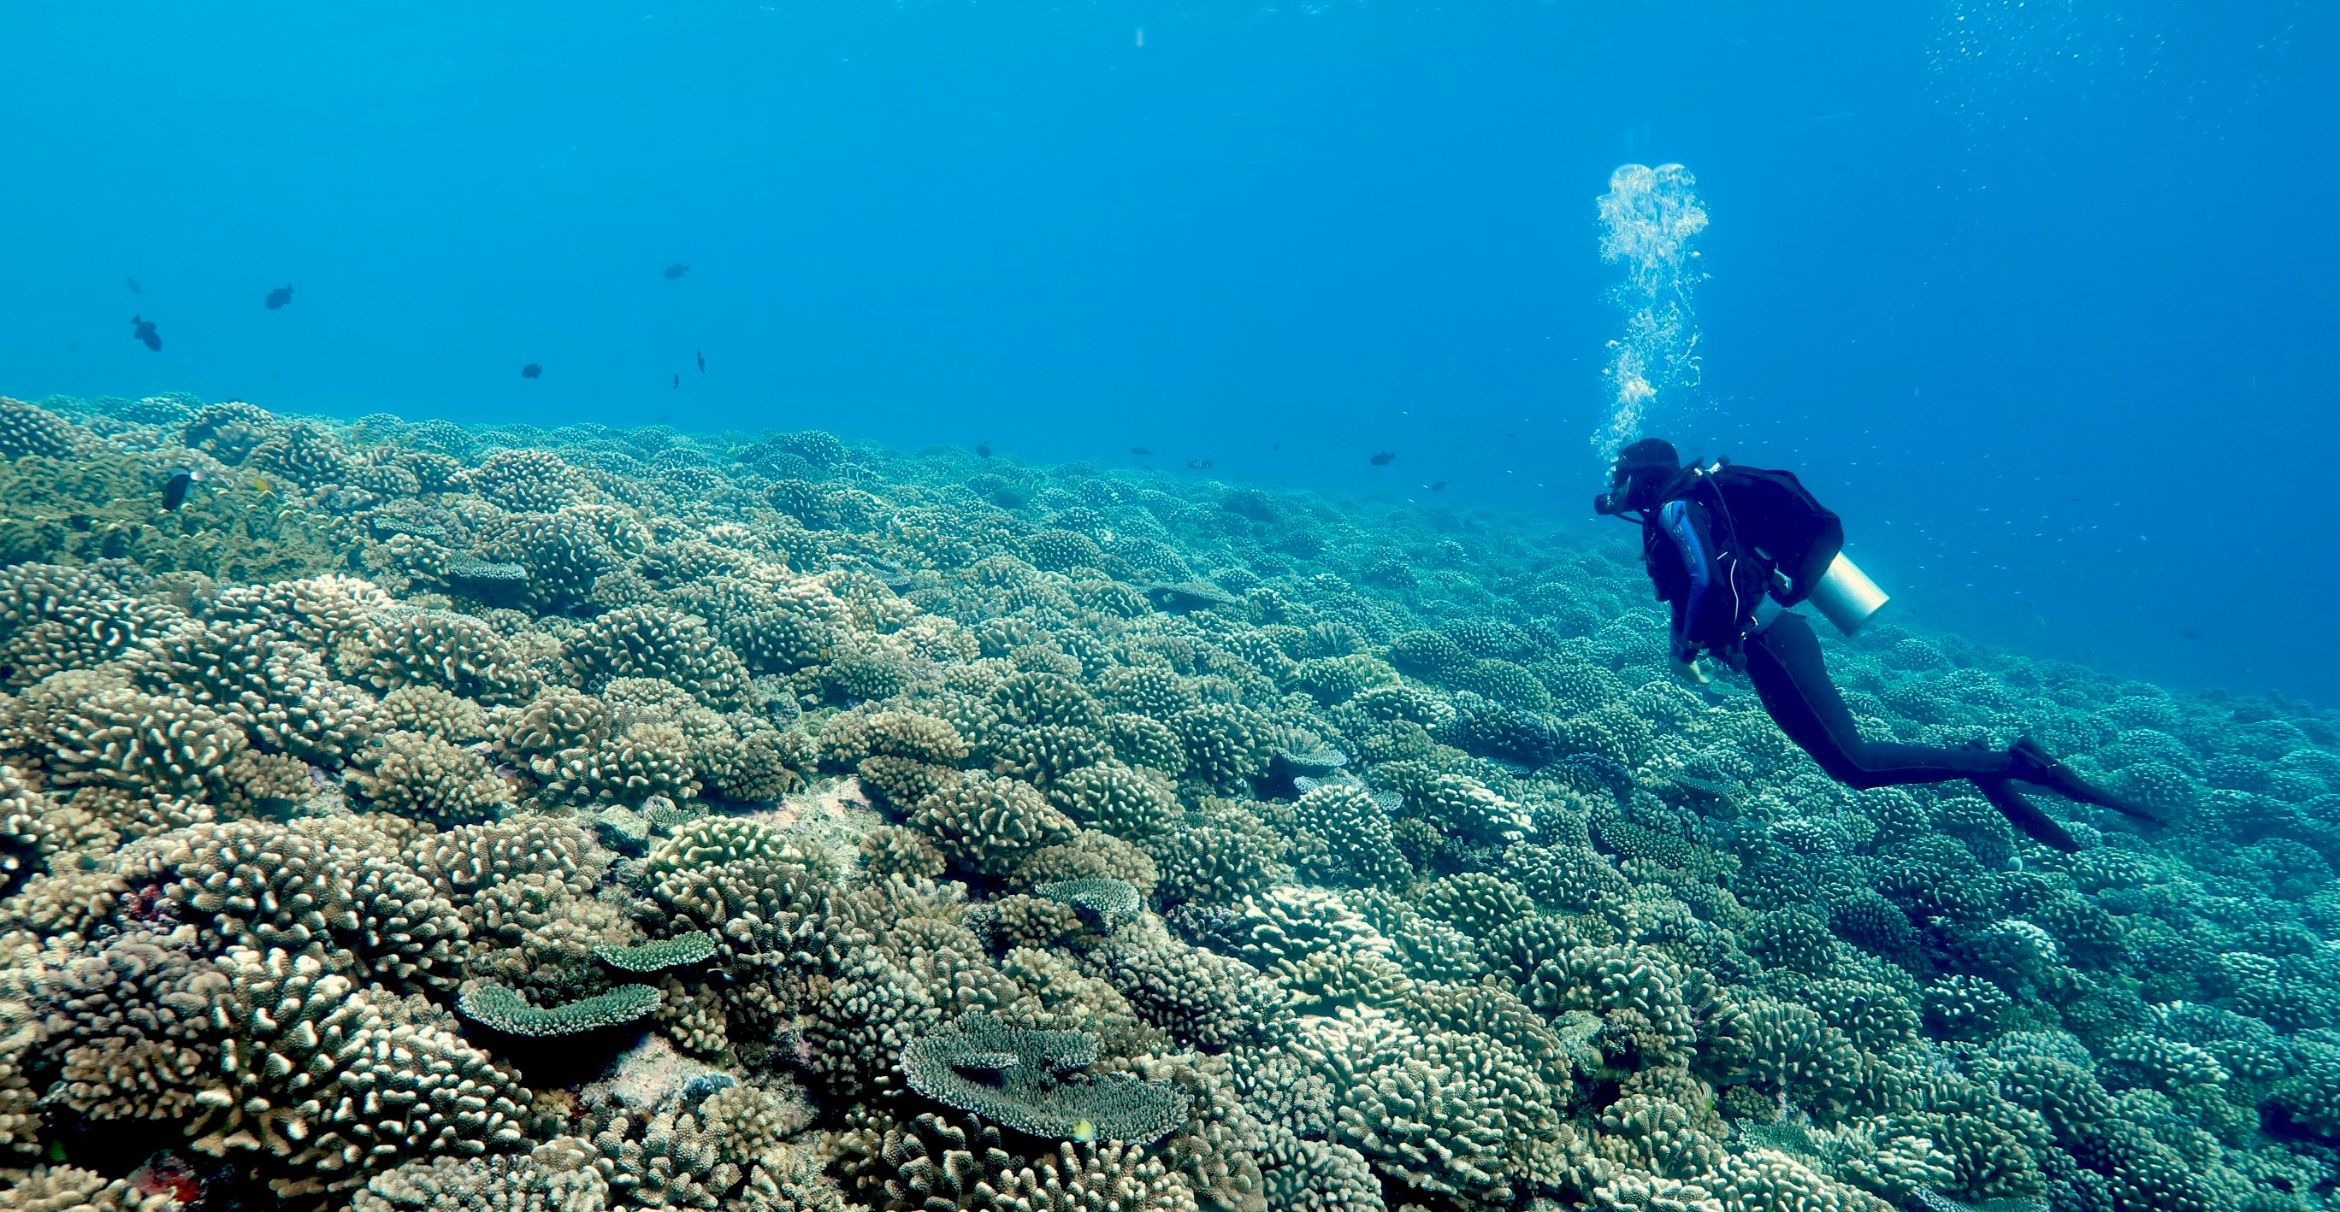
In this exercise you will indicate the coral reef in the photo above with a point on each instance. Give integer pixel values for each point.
(582, 819)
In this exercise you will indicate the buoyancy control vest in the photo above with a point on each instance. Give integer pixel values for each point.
(1770, 534)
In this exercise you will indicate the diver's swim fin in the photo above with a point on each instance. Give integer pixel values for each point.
(2033, 764)
(2026, 816)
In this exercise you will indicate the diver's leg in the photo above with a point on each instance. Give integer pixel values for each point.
(1791, 678)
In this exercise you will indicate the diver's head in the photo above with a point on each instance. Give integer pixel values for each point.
(1638, 475)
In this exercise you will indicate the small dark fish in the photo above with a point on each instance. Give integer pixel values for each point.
(2190, 633)
(176, 488)
(676, 270)
(1198, 464)
(530, 371)
(678, 378)
(1383, 459)
(135, 288)
(144, 331)
(1141, 452)
(279, 297)
(1438, 486)
(983, 449)
(702, 361)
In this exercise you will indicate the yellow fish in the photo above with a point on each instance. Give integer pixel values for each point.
(261, 485)
(1084, 1131)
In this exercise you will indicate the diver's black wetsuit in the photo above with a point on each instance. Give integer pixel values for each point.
(1713, 566)
(1783, 660)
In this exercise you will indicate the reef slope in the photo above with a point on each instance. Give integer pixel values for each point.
(423, 817)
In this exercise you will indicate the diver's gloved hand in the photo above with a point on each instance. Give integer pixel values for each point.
(1684, 656)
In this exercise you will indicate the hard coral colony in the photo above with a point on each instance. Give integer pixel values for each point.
(587, 819)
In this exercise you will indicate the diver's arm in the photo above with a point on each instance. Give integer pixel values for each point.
(1678, 645)
(1684, 525)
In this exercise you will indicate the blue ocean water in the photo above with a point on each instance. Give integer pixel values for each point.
(2039, 295)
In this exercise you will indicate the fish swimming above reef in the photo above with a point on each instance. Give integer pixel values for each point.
(678, 378)
(135, 288)
(1198, 464)
(1140, 452)
(143, 330)
(278, 297)
(175, 489)
(702, 360)
(1438, 486)
(677, 270)
(983, 449)
(1383, 458)
(531, 371)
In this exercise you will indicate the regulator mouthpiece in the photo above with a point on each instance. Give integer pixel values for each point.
(1847, 596)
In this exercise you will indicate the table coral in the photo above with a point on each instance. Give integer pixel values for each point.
(1031, 1082)
(500, 1009)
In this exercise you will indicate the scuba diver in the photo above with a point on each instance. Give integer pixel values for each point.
(1731, 549)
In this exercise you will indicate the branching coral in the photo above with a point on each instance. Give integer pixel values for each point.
(745, 885)
(279, 692)
(936, 1162)
(450, 652)
(546, 1182)
(1359, 839)
(326, 1078)
(653, 642)
(121, 737)
(425, 777)
(990, 824)
(129, 1028)
(527, 480)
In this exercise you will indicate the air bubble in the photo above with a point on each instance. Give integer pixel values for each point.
(1648, 218)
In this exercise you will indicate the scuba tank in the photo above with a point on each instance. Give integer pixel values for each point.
(1847, 596)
